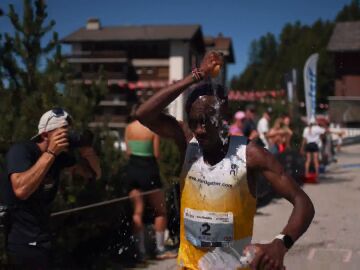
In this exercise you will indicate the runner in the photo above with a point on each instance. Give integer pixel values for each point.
(217, 198)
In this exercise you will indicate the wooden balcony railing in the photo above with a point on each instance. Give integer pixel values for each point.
(97, 54)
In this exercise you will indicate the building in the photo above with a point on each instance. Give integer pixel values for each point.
(345, 45)
(138, 61)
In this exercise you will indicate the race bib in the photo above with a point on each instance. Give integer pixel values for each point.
(208, 229)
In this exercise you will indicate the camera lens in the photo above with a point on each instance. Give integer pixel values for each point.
(74, 139)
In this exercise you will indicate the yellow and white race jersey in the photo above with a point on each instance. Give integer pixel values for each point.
(217, 209)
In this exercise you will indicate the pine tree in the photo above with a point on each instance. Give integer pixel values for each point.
(271, 57)
(350, 12)
(35, 78)
(24, 97)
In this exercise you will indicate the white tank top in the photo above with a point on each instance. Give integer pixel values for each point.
(217, 208)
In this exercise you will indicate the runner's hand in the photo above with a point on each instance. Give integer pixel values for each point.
(209, 62)
(58, 141)
(269, 256)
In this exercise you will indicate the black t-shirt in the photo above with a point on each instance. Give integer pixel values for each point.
(30, 217)
(249, 126)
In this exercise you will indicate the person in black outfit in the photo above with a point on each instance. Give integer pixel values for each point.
(249, 126)
(30, 185)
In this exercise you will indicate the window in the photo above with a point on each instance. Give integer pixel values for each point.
(149, 71)
(163, 72)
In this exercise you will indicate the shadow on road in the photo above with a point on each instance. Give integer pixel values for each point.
(325, 179)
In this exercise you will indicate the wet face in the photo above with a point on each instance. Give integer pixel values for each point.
(205, 120)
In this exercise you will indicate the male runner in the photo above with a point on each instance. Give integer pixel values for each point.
(217, 198)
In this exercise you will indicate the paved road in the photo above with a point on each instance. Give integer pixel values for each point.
(333, 239)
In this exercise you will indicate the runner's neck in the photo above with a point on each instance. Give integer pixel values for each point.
(215, 154)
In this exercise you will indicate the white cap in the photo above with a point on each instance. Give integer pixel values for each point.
(53, 119)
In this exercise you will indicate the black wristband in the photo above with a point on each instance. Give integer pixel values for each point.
(50, 152)
(286, 239)
(288, 242)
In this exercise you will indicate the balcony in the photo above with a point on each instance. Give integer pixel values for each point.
(115, 103)
(108, 75)
(112, 121)
(97, 57)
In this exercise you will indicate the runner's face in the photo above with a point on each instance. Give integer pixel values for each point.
(205, 120)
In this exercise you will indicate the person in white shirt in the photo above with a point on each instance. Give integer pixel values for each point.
(337, 134)
(263, 127)
(311, 142)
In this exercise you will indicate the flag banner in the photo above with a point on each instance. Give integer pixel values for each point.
(310, 85)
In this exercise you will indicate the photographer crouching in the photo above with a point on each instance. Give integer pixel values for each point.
(30, 184)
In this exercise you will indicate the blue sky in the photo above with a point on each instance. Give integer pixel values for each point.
(242, 20)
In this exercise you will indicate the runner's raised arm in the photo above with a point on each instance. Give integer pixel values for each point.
(151, 113)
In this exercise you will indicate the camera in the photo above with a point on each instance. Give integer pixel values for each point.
(77, 139)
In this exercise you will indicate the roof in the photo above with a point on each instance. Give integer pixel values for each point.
(346, 37)
(135, 33)
(223, 44)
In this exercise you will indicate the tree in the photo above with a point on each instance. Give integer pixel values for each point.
(23, 93)
(271, 57)
(36, 77)
(350, 12)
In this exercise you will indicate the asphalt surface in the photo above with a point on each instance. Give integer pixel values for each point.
(333, 239)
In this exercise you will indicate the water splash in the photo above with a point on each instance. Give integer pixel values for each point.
(217, 119)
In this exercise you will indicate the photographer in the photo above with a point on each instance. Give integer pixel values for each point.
(31, 182)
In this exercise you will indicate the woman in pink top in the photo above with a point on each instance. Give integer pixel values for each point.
(236, 129)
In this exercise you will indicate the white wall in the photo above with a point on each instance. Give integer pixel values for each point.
(178, 68)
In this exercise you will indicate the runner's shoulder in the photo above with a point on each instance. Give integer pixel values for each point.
(256, 155)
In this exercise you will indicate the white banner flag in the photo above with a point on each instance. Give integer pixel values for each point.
(310, 85)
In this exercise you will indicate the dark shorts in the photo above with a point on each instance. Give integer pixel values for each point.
(312, 148)
(28, 257)
(142, 173)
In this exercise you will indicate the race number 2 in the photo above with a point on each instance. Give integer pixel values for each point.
(208, 229)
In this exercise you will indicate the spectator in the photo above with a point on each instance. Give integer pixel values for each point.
(310, 145)
(263, 127)
(236, 129)
(31, 182)
(249, 129)
(276, 137)
(142, 147)
(288, 133)
(337, 135)
(327, 149)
